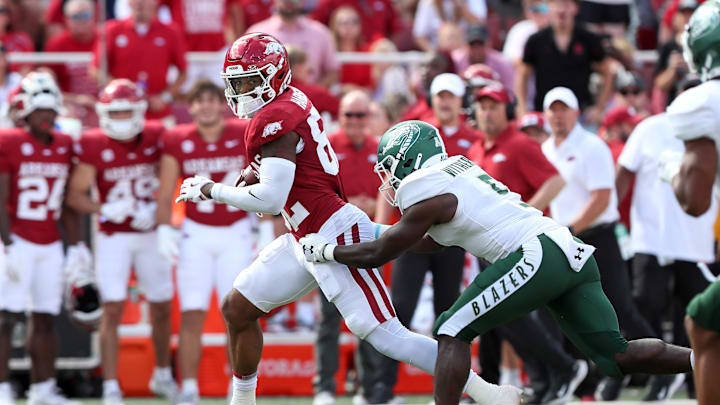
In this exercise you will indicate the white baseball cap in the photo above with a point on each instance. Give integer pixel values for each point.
(561, 94)
(448, 82)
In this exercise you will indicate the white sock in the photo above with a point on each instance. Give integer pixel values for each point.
(244, 389)
(4, 386)
(479, 389)
(45, 386)
(509, 376)
(110, 386)
(162, 373)
(692, 359)
(190, 385)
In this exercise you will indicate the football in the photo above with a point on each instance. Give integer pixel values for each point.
(247, 178)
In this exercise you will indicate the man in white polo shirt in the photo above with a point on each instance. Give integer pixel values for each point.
(588, 203)
(668, 243)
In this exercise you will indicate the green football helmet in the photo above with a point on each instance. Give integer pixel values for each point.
(701, 41)
(403, 149)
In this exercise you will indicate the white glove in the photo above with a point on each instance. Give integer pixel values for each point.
(317, 249)
(190, 189)
(118, 211)
(14, 262)
(143, 216)
(669, 165)
(78, 262)
(168, 242)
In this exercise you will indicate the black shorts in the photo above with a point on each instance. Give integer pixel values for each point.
(599, 13)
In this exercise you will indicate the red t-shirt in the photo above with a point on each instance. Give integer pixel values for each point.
(317, 191)
(379, 18)
(515, 160)
(320, 96)
(144, 59)
(72, 77)
(122, 169)
(255, 11)
(38, 175)
(458, 143)
(204, 30)
(356, 165)
(359, 74)
(221, 161)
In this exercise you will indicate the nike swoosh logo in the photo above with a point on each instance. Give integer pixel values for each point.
(250, 192)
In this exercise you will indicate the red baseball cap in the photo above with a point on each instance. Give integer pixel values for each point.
(618, 115)
(532, 119)
(495, 92)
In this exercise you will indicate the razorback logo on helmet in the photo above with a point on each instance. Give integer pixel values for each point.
(272, 128)
(273, 47)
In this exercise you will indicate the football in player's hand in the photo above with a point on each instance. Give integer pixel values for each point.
(246, 178)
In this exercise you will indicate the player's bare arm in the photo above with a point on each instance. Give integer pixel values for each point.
(4, 217)
(169, 172)
(408, 233)
(78, 193)
(693, 185)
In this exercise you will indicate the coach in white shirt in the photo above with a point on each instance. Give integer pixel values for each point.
(667, 242)
(588, 203)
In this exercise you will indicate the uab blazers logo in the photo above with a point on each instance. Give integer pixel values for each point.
(402, 136)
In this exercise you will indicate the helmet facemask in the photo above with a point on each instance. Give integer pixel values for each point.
(245, 104)
(389, 183)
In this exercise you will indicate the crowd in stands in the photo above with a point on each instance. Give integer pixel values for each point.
(547, 96)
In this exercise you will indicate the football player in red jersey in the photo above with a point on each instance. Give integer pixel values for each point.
(121, 159)
(298, 177)
(35, 162)
(208, 256)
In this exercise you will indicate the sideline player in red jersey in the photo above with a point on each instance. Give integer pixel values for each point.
(35, 162)
(298, 177)
(208, 256)
(121, 159)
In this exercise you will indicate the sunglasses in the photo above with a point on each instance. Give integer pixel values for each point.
(355, 114)
(634, 92)
(541, 8)
(349, 21)
(81, 16)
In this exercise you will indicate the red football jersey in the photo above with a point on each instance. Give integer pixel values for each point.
(123, 169)
(221, 161)
(317, 191)
(38, 174)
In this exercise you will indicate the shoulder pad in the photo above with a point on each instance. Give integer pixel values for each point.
(420, 186)
(691, 114)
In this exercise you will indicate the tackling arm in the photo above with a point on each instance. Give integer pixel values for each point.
(693, 185)
(277, 173)
(408, 233)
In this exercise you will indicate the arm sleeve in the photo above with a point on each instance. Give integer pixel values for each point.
(534, 166)
(598, 168)
(267, 196)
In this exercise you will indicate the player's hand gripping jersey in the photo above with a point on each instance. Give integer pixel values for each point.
(316, 192)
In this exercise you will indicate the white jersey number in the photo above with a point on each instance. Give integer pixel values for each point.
(142, 188)
(325, 152)
(208, 206)
(36, 190)
(299, 213)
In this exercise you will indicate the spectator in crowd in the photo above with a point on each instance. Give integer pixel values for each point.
(517, 161)
(668, 243)
(616, 127)
(671, 67)
(79, 90)
(631, 92)
(389, 78)
(564, 54)
(536, 18)
(379, 120)
(290, 27)
(322, 99)
(379, 18)
(610, 17)
(476, 77)
(478, 50)
(252, 12)
(356, 150)
(438, 62)
(9, 80)
(54, 17)
(533, 125)
(588, 207)
(431, 14)
(346, 28)
(447, 91)
(12, 40)
(142, 49)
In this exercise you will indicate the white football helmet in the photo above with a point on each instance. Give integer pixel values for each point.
(121, 95)
(38, 90)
